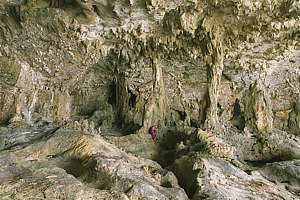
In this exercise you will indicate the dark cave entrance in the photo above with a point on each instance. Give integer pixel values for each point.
(120, 123)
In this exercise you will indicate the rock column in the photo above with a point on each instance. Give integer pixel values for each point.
(214, 59)
(156, 105)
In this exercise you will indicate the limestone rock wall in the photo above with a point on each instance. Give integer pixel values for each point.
(139, 63)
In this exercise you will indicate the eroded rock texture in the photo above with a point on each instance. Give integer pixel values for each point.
(82, 81)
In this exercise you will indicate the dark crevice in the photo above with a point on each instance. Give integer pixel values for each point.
(132, 128)
(96, 10)
(127, 129)
(249, 172)
(187, 177)
(262, 163)
(238, 119)
(112, 99)
(288, 182)
(195, 123)
(128, 189)
(182, 114)
(132, 99)
(175, 153)
(61, 3)
(14, 11)
(122, 122)
(167, 147)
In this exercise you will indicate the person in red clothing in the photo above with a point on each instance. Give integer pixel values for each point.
(154, 133)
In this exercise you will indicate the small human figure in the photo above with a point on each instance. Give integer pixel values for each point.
(154, 133)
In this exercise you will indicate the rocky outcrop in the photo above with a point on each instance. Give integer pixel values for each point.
(220, 180)
(285, 172)
(72, 165)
